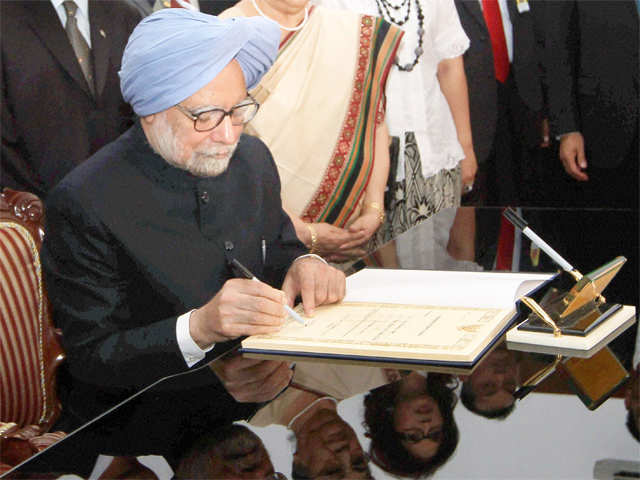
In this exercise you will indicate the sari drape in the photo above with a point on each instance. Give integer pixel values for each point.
(321, 103)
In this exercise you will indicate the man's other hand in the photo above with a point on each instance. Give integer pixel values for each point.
(573, 157)
(241, 307)
(315, 281)
(250, 381)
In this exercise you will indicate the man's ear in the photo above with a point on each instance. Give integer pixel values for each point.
(149, 118)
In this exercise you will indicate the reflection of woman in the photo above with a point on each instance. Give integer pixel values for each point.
(411, 424)
(322, 116)
(427, 109)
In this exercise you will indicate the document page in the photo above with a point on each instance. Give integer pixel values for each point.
(392, 331)
(442, 288)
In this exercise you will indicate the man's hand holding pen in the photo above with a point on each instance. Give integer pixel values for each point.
(241, 307)
(248, 307)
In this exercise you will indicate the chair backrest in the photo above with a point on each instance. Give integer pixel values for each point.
(29, 349)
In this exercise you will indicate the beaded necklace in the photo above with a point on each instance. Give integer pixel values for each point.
(384, 6)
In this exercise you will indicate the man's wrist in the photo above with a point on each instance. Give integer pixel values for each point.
(562, 135)
(310, 255)
(192, 351)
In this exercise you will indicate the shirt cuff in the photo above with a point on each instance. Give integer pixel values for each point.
(190, 350)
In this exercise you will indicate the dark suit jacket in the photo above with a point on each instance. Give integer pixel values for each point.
(478, 65)
(591, 56)
(132, 243)
(50, 121)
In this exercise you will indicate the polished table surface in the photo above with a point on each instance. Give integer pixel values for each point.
(548, 433)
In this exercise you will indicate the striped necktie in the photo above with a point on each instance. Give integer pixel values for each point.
(79, 44)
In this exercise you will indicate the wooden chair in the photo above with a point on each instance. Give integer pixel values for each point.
(30, 350)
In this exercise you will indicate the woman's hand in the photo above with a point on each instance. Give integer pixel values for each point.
(468, 170)
(330, 239)
(366, 226)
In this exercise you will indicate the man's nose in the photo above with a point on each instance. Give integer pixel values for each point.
(224, 133)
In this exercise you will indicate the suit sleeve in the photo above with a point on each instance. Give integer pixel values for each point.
(559, 63)
(12, 162)
(87, 279)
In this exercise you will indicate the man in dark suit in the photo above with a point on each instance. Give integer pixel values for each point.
(51, 120)
(591, 56)
(141, 237)
(505, 114)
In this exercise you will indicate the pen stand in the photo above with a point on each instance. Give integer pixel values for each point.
(572, 304)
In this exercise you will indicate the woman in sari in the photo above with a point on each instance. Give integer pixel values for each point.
(427, 110)
(321, 115)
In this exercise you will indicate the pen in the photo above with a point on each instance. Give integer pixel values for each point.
(245, 271)
(520, 223)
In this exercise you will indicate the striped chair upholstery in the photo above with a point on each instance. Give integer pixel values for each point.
(29, 348)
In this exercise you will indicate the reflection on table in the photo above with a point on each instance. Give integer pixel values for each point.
(515, 414)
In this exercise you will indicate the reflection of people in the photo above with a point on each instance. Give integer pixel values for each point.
(427, 109)
(489, 390)
(229, 452)
(411, 424)
(326, 446)
(52, 118)
(632, 403)
(322, 118)
(139, 236)
(325, 443)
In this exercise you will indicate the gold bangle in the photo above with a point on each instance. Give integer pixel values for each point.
(376, 206)
(314, 238)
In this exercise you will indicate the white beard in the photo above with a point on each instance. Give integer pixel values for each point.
(209, 161)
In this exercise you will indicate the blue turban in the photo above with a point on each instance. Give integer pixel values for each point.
(175, 52)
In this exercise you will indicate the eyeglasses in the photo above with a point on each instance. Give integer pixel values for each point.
(417, 437)
(209, 119)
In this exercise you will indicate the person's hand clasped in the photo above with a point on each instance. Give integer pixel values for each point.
(315, 281)
(573, 157)
(468, 170)
(249, 380)
(331, 239)
(241, 307)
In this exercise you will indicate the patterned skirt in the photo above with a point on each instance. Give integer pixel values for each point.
(416, 198)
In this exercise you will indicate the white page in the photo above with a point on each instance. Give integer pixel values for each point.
(442, 288)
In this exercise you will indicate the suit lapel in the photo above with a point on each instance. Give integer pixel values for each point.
(474, 8)
(100, 43)
(44, 21)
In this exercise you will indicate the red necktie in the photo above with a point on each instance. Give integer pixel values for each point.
(506, 239)
(175, 4)
(491, 12)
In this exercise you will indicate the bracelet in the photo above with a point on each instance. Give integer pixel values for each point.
(314, 238)
(376, 206)
(311, 255)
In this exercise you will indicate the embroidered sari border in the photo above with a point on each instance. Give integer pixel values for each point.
(350, 167)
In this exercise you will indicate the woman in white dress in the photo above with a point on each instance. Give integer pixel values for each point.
(427, 109)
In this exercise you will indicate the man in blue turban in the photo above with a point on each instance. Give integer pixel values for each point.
(140, 237)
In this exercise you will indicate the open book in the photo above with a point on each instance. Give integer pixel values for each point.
(408, 316)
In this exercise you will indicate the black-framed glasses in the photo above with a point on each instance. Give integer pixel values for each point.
(417, 437)
(209, 119)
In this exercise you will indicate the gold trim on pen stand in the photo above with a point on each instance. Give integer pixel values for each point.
(543, 373)
(544, 316)
(589, 287)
